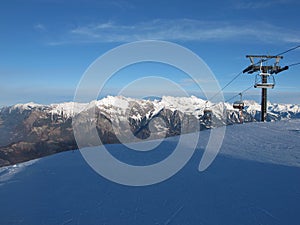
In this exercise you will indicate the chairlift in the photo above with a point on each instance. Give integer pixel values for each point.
(207, 112)
(268, 83)
(239, 104)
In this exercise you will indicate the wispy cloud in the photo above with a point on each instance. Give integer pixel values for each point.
(177, 30)
(40, 27)
(187, 82)
(259, 4)
(121, 4)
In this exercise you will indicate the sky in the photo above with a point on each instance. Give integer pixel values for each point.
(47, 45)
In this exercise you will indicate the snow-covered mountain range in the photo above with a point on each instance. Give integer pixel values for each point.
(32, 130)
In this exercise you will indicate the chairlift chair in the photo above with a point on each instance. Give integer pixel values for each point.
(239, 104)
(259, 81)
(207, 113)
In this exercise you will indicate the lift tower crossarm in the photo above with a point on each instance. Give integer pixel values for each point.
(264, 56)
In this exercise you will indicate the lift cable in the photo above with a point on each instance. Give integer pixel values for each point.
(291, 49)
(240, 73)
(233, 79)
(229, 99)
(294, 64)
(281, 53)
(242, 92)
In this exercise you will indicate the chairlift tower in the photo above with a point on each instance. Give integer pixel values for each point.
(264, 79)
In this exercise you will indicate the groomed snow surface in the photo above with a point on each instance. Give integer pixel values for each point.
(254, 180)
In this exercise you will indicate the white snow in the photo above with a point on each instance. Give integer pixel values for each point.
(254, 180)
(251, 106)
(190, 105)
(276, 143)
(284, 108)
(8, 172)
(27, 106)
(67, 109)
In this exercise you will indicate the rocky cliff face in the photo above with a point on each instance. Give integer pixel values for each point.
(29, 131)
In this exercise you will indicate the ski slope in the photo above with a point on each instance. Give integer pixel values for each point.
(254, 180)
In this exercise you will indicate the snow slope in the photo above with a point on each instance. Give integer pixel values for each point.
(250, 182)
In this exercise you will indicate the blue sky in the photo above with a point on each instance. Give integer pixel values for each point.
(46, 45)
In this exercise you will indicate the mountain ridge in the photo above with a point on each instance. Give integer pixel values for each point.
(29, 131)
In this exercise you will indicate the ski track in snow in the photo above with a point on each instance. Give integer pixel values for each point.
(168, 221)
